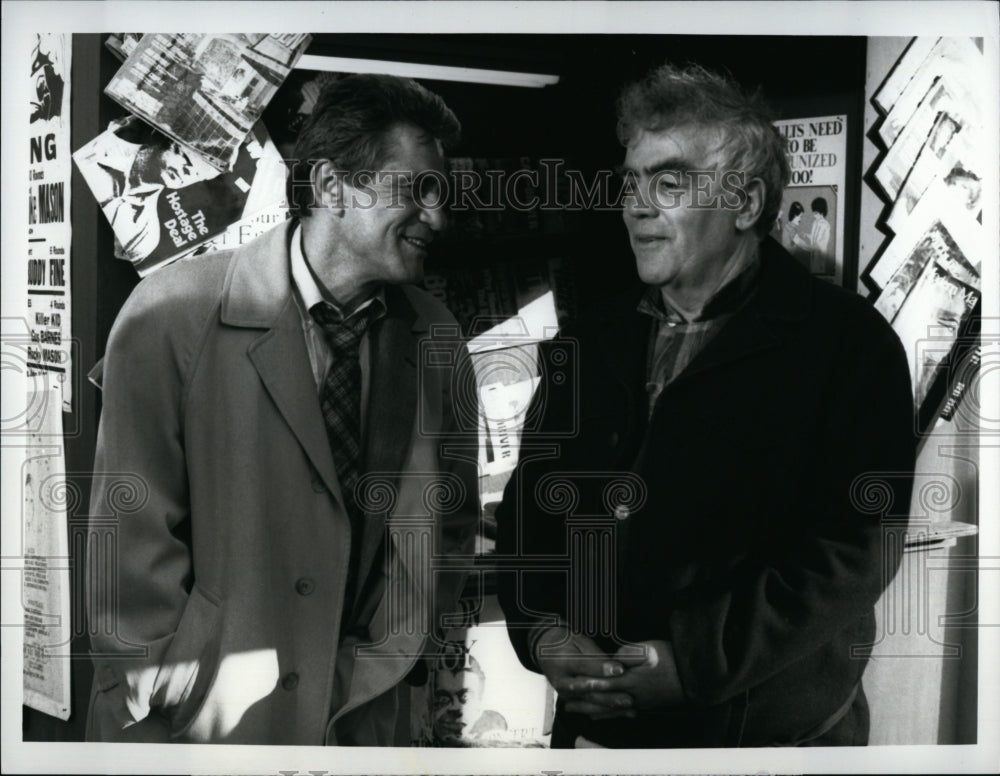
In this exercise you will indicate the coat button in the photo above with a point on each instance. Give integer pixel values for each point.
(317, 483)
(290, 681)
(622, 512)
(304, 586)
(613, 439)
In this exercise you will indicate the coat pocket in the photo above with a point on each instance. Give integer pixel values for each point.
(190, 662)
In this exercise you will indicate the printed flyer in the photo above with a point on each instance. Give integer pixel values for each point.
(45, 586)
(48, 308)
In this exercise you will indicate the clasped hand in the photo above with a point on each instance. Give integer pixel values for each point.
(638, 676)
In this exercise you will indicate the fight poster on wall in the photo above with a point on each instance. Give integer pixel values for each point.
(811, 222)
(45, 586)
(48, 233)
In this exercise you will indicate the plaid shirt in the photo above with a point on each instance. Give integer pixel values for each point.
(675, 342)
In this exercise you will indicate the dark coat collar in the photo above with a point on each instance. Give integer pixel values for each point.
(783, 288)
(622, 333)
(784, 291)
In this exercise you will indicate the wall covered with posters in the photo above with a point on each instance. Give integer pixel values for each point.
(49, 369)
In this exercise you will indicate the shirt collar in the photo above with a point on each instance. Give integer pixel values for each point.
(728, 299)
(309, 292)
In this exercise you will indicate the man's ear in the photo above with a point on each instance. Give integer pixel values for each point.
(752, 204)
(328, 185)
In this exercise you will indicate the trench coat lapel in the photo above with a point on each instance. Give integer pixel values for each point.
(392, 406)
(282, 362)
(258, 294)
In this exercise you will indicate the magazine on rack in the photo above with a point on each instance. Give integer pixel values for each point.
(903, 72)
(953, 201)
(958, 188)
(933, 291)
(932, 131)
(933, 127)
(205, 91)
(163, 201)
(957, 60)
(929, 321)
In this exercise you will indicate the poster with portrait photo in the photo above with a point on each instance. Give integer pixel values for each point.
(810, 224)
(478, 694)
(163, 201)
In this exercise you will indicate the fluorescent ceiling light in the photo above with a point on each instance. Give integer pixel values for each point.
(430, 72)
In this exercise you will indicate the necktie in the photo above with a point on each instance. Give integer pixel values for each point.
(340, 401)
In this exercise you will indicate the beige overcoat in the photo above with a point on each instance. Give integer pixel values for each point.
(219, 541)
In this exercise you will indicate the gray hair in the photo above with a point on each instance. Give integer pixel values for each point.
(671, 96)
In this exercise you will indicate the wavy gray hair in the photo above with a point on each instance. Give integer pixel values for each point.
(671, 96)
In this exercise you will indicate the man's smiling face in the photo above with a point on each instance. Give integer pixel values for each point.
(388, 226)
(681, 238)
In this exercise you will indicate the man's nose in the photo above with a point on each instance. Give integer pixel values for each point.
(638, 211)
(637, 203)
(435, 216)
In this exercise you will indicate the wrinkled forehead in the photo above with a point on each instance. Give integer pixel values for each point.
(678, 147)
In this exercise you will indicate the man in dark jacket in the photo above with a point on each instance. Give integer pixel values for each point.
(700, 546)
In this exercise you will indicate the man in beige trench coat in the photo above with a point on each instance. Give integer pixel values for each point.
(242, 600)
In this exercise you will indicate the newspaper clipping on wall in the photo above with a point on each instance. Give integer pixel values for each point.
(205, 91)
(811, 221)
